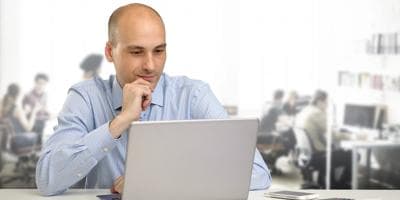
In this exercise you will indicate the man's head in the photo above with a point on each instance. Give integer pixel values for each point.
(278, 96)
(320, 99)
(13, 90)
(292, 97)
(136, 44)
(41, 81)
(91, 65)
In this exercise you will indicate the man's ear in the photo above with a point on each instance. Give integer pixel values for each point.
(108, 52)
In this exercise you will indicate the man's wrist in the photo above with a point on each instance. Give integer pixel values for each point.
(118, 125)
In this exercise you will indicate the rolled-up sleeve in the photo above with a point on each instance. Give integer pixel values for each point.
(261, 176)
(73, 149)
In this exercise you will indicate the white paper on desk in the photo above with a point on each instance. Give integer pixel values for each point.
(371, 199)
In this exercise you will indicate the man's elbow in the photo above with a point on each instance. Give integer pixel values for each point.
(48, 190)
(261, 181)
(45, 186)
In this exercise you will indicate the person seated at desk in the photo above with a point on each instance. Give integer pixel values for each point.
(21, 137)
(289, 106)
(276, 136)
(270, 117)
(266, 140)
(313, 120)
(1, 109)
(90, 140)
(13, 112)
(38, 97)
(286, 121)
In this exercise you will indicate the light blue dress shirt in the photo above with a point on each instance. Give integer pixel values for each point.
(82, 148)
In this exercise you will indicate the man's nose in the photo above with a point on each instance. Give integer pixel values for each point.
(149, 63)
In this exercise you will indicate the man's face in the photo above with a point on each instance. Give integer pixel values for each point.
(40, 86)
(323, 105)
(139, 50)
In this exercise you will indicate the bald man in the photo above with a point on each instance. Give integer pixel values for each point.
(88, 145)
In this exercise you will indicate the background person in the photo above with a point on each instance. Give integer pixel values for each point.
(91, 66)
(37, 97)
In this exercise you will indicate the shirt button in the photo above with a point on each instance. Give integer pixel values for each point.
(79, 175)
(105, 149)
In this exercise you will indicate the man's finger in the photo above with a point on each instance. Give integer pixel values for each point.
(116, 187)
(117, 182)
(120, 186)
(146, 98)
(141, 81)
(146, 102)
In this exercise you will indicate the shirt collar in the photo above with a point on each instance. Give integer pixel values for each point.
(116, 94)
(158, 93)
(157, 96)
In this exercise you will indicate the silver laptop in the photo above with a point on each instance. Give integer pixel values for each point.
(196, 159)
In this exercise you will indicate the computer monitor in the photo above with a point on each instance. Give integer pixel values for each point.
(364, 116)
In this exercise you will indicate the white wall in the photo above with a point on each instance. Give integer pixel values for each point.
(54, 36)
(349, 24)
(9, 42)
(302, 45)
(245, 49)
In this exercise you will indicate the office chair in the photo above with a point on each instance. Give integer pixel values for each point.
(303, 155)
(3, 143)
(22, 150)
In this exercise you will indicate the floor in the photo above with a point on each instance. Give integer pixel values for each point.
(11, 178)
(289, 177)
(290, 181)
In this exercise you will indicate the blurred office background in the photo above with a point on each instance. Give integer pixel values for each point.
(246, 50)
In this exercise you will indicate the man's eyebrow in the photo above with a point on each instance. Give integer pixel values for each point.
(134, 47)
(161, 46)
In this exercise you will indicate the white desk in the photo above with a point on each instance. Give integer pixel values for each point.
(90, 194)
(368, 145)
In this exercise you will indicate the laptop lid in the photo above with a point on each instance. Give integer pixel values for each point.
(195, 159)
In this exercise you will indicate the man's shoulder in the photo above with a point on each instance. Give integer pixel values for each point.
(182, 82)
(89, 84)
(91, 87)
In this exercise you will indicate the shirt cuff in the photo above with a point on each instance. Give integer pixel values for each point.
(100, 141)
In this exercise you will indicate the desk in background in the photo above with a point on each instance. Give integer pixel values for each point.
(368, 145)
(90, 194)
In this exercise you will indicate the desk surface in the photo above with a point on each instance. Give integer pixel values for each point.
(90, 194)
(348, 144)
(368, 145)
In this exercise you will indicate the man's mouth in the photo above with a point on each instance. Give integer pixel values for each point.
(148, 78)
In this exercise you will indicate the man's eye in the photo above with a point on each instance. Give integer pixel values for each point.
(159, 50)
(136, 52)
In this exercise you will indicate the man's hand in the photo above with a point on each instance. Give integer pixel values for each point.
(136, 98)
(118, 185)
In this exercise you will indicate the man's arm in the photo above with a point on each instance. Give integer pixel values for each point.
(260, 176)
(135, 99)
(206, 106)
(77, 145)
(74, 148)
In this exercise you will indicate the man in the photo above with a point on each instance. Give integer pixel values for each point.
(313, 119)
(37, 98)
(269, 118)
(267, 136)
(90, 140)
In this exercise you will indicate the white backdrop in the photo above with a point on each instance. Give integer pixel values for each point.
(244, 49)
